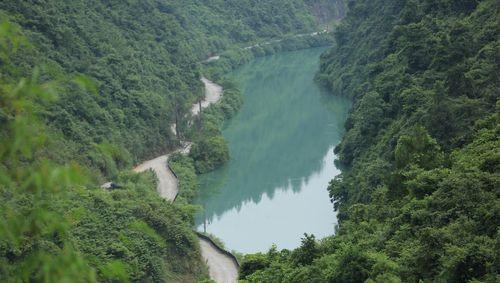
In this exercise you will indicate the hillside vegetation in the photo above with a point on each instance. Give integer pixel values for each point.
(418, 199)
(89, 88)
(142, 57)
(56, 225)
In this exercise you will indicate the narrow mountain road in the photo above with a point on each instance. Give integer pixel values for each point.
(167, 182)
(213, 93)
(215, 58)
(222, 268)
(212, 58)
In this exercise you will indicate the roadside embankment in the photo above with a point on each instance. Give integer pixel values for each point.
(223, 266)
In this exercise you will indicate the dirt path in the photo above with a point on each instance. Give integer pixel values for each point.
(167, 185)
(167, 182)
(212, 58)
(222, 268)
(213, 93)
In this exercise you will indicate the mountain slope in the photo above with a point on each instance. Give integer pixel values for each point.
(143, 59)
(87, 88)
(418, 199)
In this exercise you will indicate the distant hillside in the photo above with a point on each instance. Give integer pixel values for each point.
(327, 12)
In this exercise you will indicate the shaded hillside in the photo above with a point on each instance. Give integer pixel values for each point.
(418, 200)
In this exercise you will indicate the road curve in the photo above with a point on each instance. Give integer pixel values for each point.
(167, 182)
(213, 93)
(222, 268)
(167, 185)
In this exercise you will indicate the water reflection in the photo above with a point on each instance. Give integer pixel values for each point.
(281, 157)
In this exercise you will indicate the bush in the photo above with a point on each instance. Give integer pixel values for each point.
(209, 153)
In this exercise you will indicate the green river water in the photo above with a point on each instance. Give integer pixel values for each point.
(281, 142)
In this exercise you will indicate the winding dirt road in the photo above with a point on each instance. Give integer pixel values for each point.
(222, 268)
(213, 93)
(167, 183)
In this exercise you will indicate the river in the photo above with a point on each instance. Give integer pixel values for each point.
(274, 189)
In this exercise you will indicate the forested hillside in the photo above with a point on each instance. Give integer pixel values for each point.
(216, 25)
(89, 88)
(418, 199)
(143, 59)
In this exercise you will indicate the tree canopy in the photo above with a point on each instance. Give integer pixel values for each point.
(419, 199)
(88, 88)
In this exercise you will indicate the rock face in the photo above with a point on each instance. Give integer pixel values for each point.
(326, 11)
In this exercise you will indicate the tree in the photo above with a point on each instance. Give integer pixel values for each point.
(209, 153)
(307, 252)
(34, 237)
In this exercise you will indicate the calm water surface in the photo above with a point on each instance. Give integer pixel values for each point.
(281, 142)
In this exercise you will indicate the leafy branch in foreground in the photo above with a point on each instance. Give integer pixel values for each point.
(33, 236)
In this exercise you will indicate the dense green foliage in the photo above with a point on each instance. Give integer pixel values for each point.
(216, 25)
(33, 239)
(326, 14)
(56, 227)
(143, 57)
(209, 153)
(150, 238)
(209, 149)
(138, 59)
(125, 70)
(418, 200)
(184, 169)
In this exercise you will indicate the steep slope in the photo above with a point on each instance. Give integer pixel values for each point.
(99, 83)
(418, 199)
(222, 268)
(141, 60)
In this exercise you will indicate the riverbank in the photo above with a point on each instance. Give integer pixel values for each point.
(222, 266)
(281, 146)
(237, 56)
